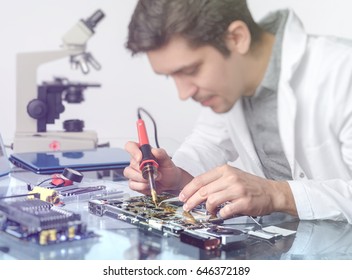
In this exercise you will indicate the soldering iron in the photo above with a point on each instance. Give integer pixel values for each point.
(148, 165)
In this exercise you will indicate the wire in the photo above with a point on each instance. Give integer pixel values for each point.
(36, 195)
(139, 110)
(46, 180)
(30, 187)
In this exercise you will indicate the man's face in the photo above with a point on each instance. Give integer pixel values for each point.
(202, 73)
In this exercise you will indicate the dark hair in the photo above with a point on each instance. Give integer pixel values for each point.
(201, 22)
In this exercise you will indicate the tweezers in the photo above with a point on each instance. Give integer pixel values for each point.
(173, 200)
(186, 215)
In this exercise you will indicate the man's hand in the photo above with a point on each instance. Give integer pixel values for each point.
(170, 177)
(241, 193)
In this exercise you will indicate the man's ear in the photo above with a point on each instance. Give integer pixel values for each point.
(238, 37)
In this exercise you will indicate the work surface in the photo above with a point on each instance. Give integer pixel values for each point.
(119, 240)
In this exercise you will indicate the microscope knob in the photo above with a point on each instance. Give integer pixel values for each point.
(37, 109)
(73, 125)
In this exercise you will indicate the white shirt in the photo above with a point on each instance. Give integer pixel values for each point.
(315, 126)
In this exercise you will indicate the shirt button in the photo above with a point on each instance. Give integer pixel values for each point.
(301, 175)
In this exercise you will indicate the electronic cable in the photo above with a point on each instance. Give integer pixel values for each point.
(139, 110)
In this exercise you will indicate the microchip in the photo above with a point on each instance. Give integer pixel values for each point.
(41, 222)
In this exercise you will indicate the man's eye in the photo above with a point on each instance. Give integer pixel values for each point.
(190, 71)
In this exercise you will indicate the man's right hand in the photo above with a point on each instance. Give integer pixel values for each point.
(170, 177)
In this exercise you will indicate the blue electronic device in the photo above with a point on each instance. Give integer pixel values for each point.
(84, 160)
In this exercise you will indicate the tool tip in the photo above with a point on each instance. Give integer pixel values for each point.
(154, 197)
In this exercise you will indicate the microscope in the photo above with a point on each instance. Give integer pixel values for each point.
(37, 106)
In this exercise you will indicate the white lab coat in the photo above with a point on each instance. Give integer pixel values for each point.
(315, 126)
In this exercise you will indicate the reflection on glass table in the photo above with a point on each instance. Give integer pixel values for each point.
(120, 240)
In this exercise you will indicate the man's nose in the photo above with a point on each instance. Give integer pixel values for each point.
(186, 89)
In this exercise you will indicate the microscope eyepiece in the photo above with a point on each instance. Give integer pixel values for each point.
(94, 19)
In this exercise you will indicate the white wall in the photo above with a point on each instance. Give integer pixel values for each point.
(127, 83)
(331, 17)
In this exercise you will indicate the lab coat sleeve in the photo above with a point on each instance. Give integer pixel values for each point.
(331, 198)
(328, 199)
(207, 147)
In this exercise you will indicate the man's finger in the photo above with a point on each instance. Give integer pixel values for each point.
(197, 183)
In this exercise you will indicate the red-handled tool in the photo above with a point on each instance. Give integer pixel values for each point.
(149, 165)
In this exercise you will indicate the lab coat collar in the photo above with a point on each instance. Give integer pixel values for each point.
(293, 49)
(294, 46)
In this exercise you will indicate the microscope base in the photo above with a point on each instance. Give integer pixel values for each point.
(55, 141)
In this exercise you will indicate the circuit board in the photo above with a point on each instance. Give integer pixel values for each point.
(197, 227)
(38, 221)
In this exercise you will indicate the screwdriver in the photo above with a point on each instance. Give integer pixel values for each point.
(148, 165)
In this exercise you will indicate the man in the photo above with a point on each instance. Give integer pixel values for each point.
(274, 97)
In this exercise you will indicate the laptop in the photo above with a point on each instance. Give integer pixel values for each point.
(84, 160)
(5, 166)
